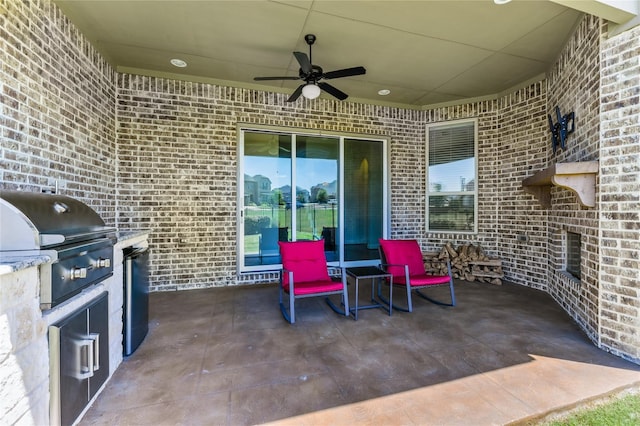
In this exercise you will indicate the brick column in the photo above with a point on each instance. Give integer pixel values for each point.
(620, 195)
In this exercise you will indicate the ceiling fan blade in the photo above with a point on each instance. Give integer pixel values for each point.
(295, 95)
(347, 72)
(333, 91)
(275, 78)
(303, 60)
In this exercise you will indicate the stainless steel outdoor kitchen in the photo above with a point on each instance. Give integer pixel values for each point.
(81, 300)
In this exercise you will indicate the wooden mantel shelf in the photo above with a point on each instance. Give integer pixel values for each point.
(579, 178)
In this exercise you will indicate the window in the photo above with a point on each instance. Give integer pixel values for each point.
(451, 177)
(573, 254)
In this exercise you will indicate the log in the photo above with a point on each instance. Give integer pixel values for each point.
(469, 262)
(450, 250)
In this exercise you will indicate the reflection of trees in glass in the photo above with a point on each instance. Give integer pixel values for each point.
(278, 198)
(323, 197)
(452, 212)
(455, 202)
(437, 201)
(328, 187)
(302, 195)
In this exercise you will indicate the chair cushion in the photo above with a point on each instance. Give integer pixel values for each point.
(314, 287)
(306, 259)
(423, 280)
(403, 252)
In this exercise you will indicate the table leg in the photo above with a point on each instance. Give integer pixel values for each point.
(355, 314)
(390, 295)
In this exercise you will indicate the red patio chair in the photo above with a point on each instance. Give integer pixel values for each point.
(403, 260)
(305, 274)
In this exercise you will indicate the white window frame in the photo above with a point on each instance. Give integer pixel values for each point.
(453, 123)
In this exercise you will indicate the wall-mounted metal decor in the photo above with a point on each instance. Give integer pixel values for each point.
(560, 130)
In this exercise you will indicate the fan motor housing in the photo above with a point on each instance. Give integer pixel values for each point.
(314, 75)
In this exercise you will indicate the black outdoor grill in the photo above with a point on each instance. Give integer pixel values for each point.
(67, 230)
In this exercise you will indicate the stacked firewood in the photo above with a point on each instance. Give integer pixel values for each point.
(468, 262)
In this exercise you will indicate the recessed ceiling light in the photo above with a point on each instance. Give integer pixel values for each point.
(501, 1)
(178, 63)
(384, 92)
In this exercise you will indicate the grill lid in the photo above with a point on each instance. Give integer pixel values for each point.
(33, 221)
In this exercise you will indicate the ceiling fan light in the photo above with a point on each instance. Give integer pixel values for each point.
(310, 91)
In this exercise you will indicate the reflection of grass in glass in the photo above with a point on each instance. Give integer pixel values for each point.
(264, 212)
(309, 216)
(251, 244)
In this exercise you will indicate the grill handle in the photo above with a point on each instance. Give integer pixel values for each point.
(85, 358)
(95, 337)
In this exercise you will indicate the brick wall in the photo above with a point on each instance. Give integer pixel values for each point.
(520, 150)
(58, 117)
(574, 85)
(619, 213)
(512, 139)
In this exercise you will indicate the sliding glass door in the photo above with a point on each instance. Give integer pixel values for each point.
(305, 187)
(316, 182)
(363, 198)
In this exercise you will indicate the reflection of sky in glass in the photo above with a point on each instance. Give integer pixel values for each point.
(311, 171)
(450, 175)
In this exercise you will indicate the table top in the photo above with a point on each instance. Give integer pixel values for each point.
(366, 272)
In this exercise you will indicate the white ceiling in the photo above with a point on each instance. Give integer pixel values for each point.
(425, 52)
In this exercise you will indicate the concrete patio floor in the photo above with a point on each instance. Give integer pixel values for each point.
(505, 354)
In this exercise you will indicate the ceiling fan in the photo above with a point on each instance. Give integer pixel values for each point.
(312, 74)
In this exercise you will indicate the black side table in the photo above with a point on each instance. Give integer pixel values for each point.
(373, 273)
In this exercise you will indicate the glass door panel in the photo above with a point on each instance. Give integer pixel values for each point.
(267, 196)
(316, 182)
(363, 198)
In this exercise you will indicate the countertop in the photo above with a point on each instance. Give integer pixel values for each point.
(125, 235)
(14, 263)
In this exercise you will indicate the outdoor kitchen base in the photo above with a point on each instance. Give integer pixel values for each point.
(79, 360)
(72, 292)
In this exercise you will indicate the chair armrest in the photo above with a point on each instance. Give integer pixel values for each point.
(384, 266)
(393, 264)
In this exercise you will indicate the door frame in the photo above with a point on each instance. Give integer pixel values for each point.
(241, 128)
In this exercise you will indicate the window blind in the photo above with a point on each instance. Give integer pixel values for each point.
(451, 144)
